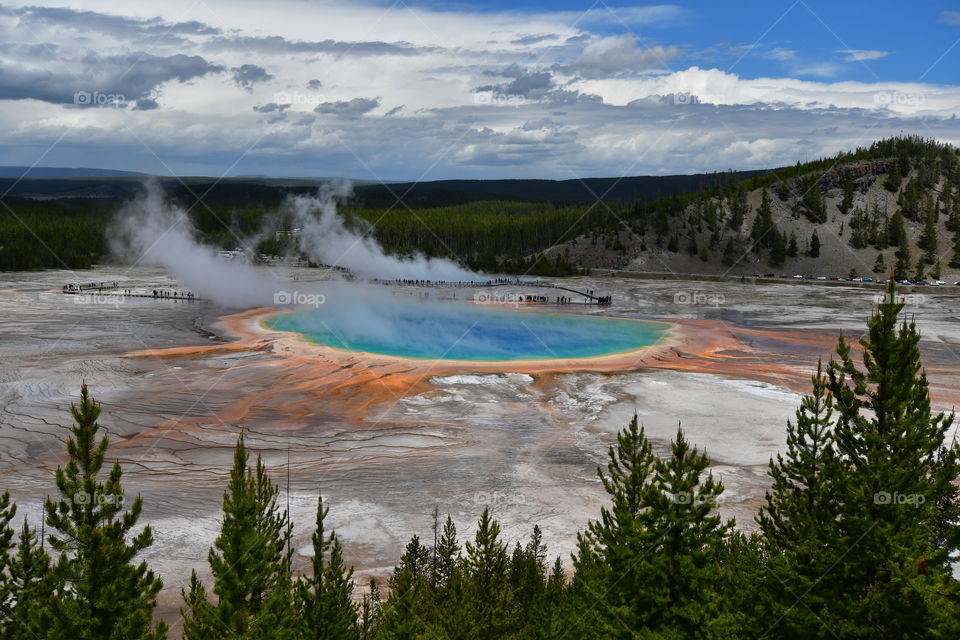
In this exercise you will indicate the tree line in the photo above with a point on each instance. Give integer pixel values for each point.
(855, 539)
(715, 222)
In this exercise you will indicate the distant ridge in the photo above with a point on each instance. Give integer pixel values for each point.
(577, 190)
(53, 182)
(46, 173)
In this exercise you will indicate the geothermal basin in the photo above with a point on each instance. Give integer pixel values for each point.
(388, 429)
(468, 332)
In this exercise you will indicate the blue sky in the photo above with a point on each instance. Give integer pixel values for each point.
(914, 35)
(423, 90)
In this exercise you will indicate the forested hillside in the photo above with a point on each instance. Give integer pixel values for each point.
(894, 205)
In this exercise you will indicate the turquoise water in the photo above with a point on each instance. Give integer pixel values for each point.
(451, 331)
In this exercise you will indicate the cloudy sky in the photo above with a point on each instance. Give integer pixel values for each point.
(411, 90)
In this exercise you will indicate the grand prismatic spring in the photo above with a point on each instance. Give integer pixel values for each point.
(451, 331)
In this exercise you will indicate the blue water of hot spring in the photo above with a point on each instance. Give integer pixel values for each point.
(457, 331)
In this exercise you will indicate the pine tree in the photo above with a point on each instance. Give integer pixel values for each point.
(893, 179)
(797, 519)
(652, 557)
(847, 202)
(901, 506)
(32, 583)
(447, 582)
(928, 237)
(862, 516)
(763, 223)
(250, 563)
(323, 601)
(955, 255)
(7, 593)
(405, 611)
(683, 566)
(778, 248)
(901, 269)
(100, 594)
(445, 555)
(879, 265)
(608, 553)
(730, 253)
(920, 270)
(814, 251)
(485, 565)
(792, 250)
(370, 611)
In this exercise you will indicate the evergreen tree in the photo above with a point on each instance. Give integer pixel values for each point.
(893, 179)
(814, 251)
(763, 223)
(683, 566)
(730, 253)
(370, 611)
(879, 265)
(32, 584)
(445, 556)
(7, 594)
(955, 255)
(485, 566)
(792, 250)
(405, 612)
(323, 604)
(920, 270)
(862, 516)
(100, 594)
(896, 232)
(250, 562)
(901, 506)
(928, 238)
(778, 249)
(653, 555)
(847, 202)
(901, 269)
(608, 558)
(797, 519)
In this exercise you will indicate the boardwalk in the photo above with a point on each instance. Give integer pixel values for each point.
(500, 282)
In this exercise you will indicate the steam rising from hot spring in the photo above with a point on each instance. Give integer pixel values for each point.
(153, 231)
(327, 240)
